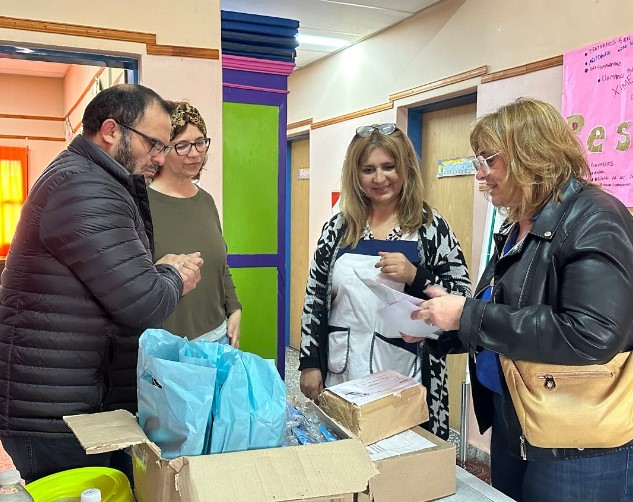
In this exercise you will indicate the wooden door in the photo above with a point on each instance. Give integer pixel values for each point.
(445, 135)
(299, 245)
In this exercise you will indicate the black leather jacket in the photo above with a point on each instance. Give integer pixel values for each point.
(562, 297)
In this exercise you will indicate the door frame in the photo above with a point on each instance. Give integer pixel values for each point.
(414, 116)
(53, 55)
(290, 140)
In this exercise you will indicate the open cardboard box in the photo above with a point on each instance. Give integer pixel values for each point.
(376, 406)
(324, 471)
(418, 476)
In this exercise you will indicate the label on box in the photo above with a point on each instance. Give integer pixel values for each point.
(372, 387)
(405, 442)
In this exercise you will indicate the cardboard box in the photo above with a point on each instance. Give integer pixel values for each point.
(376, 406)
(418, 476)
(325, 471)
(348, 497)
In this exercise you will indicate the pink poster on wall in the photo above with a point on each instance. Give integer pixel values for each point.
(598, 104)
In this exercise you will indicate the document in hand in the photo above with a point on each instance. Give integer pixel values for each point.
(398, 307)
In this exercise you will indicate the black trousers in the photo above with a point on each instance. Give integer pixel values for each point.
(36, 457)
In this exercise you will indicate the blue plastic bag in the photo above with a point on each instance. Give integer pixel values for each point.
(249, 410)
(267, 402)
(175, 389)
(204, 397)
(231, 418)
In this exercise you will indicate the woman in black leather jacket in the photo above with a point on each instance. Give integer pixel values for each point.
(555, 291)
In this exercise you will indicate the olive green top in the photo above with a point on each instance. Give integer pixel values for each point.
(186, 225)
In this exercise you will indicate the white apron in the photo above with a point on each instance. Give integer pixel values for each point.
(356, 342)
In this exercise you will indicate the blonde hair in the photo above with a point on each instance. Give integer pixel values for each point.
(540, 150)
(355, 205)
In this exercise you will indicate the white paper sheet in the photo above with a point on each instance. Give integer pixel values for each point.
(405, 442)
(398, 315)
(398, 308)
(372, 387)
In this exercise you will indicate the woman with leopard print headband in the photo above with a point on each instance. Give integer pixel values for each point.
(185, 217)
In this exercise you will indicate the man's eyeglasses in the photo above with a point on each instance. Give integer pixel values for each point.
(183, 148)
(483, 164)
(366, 131)
(156, 147)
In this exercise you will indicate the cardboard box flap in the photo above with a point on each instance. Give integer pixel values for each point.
(108, 431)
(435, 473)
(325, 469)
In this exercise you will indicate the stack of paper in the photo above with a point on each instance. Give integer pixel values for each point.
(398, 308)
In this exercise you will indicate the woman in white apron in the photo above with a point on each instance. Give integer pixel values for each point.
(386, 229)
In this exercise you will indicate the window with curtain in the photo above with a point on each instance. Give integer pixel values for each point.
(13, 186)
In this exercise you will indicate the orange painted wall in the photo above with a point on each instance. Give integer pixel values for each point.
(47, 97)
(39, 96)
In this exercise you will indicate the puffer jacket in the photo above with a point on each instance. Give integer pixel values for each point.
(78, 289)
(562, 297)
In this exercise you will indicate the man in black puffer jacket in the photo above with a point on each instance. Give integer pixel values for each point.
(80, 283)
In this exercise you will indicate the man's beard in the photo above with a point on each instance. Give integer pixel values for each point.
(123, 154)
(125, 157)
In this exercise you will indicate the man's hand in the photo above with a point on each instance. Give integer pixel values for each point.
(187, 265)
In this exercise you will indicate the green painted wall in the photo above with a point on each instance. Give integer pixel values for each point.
(250, 204)
(257, 290)
(251, 165)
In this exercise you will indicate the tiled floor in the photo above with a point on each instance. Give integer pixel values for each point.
(477, 463)
(292, 373)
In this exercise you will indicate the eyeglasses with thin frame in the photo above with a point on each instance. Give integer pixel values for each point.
(157, 146)
(184, 147)
(482, 164)
(366, 131)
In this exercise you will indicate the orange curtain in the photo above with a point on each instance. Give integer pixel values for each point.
(13, 186)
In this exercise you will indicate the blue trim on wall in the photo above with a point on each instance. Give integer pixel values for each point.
(68, 57)
(263, 81)
(253, 97)
(447, 103)
(414, 118)
(414, 129)
(254, 260)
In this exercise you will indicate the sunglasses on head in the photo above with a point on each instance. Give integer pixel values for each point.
(366, 131)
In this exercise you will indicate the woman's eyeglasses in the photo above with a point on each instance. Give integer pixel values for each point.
(482, 164)
(366, 131)
(156, 146)
(183, 148)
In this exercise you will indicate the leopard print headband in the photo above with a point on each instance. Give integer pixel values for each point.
(184, 114)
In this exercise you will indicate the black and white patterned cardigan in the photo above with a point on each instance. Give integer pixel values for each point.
(441, 262)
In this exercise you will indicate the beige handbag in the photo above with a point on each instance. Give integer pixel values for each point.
(573, 406)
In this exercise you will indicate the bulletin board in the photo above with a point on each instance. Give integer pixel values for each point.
(594, 80)
(598, 101)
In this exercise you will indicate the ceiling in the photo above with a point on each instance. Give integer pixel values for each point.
(350, 21)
